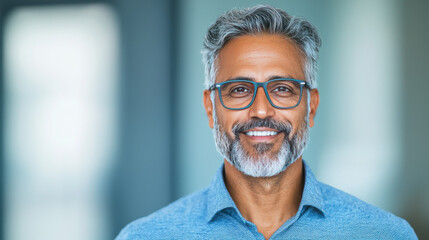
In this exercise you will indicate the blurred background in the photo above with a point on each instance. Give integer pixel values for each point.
(102, 119)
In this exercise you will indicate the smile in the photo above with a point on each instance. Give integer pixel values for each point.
(261, 133)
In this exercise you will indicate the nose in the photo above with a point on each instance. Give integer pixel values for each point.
(261, 108)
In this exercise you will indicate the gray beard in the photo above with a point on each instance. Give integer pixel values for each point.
(264, 163)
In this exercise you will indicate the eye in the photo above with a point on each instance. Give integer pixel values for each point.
(282, 89)
(237, 89)
(240, 89)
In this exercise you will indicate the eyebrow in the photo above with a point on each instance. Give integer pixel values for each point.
(253, 79)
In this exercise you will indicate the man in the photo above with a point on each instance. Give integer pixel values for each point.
(261, 99)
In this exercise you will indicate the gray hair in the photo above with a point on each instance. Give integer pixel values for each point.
(256, 20)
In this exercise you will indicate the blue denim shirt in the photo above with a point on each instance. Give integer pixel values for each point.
(324, 213)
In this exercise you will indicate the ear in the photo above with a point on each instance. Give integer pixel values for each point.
(314, 104)
(208, 105)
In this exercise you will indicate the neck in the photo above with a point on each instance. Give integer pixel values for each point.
(267, 202)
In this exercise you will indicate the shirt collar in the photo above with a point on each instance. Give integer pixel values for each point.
(312, 195)
(218, 197)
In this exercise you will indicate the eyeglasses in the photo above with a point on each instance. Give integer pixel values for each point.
(282, 93)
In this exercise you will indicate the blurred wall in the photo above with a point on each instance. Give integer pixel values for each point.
(142, 177)
(412, 182)
(140, 180)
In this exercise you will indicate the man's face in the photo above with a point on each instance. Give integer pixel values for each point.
(260, 58)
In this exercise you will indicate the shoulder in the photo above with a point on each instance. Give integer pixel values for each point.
(356, 215)
(178, 217)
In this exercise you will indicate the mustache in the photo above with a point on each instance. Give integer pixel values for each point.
(280, 126)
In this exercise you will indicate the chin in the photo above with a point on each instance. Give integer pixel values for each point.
(263, 165)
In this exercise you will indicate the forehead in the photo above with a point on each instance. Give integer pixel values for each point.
(260, 57)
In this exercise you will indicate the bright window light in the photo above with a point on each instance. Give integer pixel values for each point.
(61, 68)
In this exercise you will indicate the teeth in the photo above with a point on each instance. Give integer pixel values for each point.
(261, 133)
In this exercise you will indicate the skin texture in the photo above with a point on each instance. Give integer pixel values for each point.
(267, 202)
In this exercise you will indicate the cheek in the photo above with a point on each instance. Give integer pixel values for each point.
(228, 118)
(301, 119)
(294, 116)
